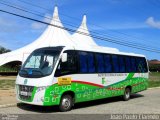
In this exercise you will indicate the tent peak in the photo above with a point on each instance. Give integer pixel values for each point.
(55, 13)
(55, 19)
(84, 18)
(84, 21)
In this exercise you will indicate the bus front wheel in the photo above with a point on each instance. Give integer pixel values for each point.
(127, 94)
(66, 103)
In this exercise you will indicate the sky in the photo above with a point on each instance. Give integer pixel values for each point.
(130, 21)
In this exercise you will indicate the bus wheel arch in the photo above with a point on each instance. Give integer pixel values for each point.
(67, 101)
(127, 93)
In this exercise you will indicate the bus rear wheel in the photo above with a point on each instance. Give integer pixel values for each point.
(66, 103)
(127, 94)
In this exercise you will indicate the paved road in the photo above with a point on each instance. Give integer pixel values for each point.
(146, 102)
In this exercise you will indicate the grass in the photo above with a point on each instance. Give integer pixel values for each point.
(7, 84)
(153, 84)
(154, 79)
(155, 74)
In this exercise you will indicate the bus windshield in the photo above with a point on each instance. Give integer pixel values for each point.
(40, 63)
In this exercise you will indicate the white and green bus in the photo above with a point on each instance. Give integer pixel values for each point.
(65, 75)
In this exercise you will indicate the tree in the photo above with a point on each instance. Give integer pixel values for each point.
(3, 50)
(154, 65)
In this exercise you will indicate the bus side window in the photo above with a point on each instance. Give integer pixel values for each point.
(83, 62)
(133, 64)
(91, 63)
(115, 63)
(128, 64)
(68, 67)
(121, 64)
(108, 63)
(141, 65)
(100, 63)
(145, 65)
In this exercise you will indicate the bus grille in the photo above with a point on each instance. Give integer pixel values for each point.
(26, 89)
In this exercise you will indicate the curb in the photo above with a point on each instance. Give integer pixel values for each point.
(8, 105)
(153, 88)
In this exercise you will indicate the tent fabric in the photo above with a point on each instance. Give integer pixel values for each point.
(82, 36)
(53, 36)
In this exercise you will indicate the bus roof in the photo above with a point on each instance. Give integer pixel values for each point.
(102, 49)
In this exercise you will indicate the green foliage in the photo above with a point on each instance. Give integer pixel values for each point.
(7, 69)
(155, 67)
(4, 50)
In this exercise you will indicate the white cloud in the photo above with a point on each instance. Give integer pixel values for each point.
(9, 26)
(123, 25)
(5, 22)
(151, 22)
(37, 25)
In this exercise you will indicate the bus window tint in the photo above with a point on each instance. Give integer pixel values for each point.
(68, 67)
(91, 63)
(121, 64)
(115, 63)
(71, 62)
(100, 63)
(133, 64)
(128, 64)
(108, 64)
(83, 62)
(144, 64)
(141, 65)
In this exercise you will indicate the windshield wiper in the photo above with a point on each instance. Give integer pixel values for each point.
(37, 71)
(23, 71)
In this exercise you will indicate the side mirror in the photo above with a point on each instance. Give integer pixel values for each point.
(64, 57)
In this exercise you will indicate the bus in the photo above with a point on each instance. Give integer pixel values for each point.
(64, 76)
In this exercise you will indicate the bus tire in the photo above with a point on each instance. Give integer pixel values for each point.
(127, 94)
(66, 103)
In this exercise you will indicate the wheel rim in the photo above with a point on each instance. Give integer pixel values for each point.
(66, 103)
(127, 94)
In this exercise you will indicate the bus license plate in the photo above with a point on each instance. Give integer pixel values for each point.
(23, 93)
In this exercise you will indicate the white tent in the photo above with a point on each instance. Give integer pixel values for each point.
(83, 39)
(82, 36)
(52, 36)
